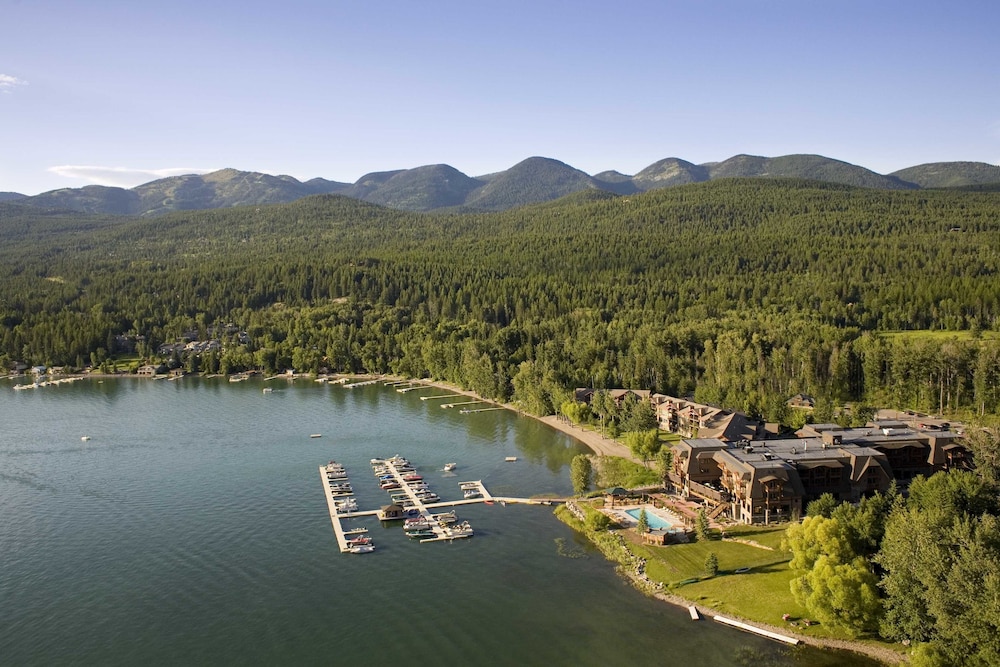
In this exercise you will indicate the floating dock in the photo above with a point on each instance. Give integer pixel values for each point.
(757, 631)
(331, 501)
(363, 383)
(431, 398)
(333, 478)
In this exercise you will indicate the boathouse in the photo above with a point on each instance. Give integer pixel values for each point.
(389, 512)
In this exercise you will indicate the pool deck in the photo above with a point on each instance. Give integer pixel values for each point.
(619, 515)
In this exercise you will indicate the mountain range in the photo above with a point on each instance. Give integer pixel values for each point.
(442, 187)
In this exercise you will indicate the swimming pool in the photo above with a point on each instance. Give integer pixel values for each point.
(655, 521)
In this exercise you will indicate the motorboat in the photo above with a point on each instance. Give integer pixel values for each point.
(472, 493)
(448, 467)
(460, 530)
(362, 548)
(420, 534)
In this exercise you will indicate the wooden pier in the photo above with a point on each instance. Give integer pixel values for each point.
(757, 631)
(451, 405)
(362, 383)
(403, 390)
(331, 502)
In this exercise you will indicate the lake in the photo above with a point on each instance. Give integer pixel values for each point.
(192, 528)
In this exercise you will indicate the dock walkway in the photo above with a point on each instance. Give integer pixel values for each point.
(331, 502)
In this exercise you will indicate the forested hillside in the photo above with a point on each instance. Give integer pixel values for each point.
(741, 291)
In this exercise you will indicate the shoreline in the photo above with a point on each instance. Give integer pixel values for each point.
(600, 446)
(606, 447)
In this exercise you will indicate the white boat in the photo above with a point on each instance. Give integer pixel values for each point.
(316, 435)
(471, 493)
(448, 467)
(362, 548)
(510, 459)
(267, 390)
(85, 438)
(460, 530)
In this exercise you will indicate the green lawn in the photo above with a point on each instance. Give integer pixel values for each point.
(679, 562)
(938, 335)
(768, 536)
(761, 593)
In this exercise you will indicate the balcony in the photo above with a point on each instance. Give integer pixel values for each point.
(703, 491)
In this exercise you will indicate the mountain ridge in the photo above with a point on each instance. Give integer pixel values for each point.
(442, 187)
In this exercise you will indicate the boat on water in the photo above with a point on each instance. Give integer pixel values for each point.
(362, 548)
(412, 477)
(468, 485)
(460, 530)
(267, 390)
(445, 517)
(420, 534)
(85, 438)
(316, 435)
(510, 459)
(472, 493)
(448, 467)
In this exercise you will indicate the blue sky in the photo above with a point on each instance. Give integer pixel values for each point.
(120, 93)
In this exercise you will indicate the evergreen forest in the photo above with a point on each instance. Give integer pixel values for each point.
(742, 292)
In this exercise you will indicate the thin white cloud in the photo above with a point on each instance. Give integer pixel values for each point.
(122, 177)
(8, 83)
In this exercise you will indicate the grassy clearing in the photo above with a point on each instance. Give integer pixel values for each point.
(937, 335)
(681, 562)
(768, 536)
(761, 593)
(612, 471)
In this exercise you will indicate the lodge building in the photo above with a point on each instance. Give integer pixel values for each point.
(763, 481)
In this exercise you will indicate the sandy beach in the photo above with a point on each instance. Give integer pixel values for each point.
(595, 441)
